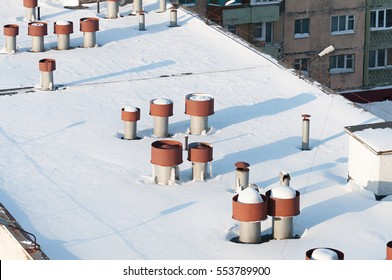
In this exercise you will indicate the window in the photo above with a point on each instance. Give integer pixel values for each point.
(342, 24)
(381, 19)
(341, 63)
(380, 58)
(263, 32)
(301, 28)
(231, 28)
(301, 64)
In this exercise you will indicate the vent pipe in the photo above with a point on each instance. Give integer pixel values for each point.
(137, 6)
(173, 16)
(10, 33)
(283, 205)
(389, 251)
(142, 21)
(284, 178)
(324, 254)
(130, 115)
(199, 106)
(112, 8)
(161, 110)
(166, 155)
(37, 31)
(200, 154)
(241, 176)
(30, 6)
(46, 67)
(249, 208)
(63, 29)
(162, 6)
(89, 26)
(305, 132)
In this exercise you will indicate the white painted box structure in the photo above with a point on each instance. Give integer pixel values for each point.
(370, 156)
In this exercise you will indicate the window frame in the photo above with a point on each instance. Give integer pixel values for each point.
(263, 27)
(387, 58)
(347, 20)
(375, 20)
(301, 33)
(347, 59)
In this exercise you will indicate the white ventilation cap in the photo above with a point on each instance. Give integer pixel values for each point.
(249, 195)
(162, 101)
(324, 254)
(130, 109)
(283, 192)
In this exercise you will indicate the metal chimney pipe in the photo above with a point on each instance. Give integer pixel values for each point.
(173, 17)
(10, 33)
(112, 8)
(283, 205)
(89, 26)
(249, 208)
(37, 30)
(63, 29)
(305, 132)
(284, 178)
(166, 155)
(200, 154)
(161, 110)
(130, 115)
(241, 176)
(46, 67)
(162, 6)
(30, 9)
(142, 21)
(199, 106)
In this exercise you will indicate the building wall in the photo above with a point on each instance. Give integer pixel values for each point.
(320, 13)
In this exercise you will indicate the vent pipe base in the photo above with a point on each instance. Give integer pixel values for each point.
(38, 44)
(63, 42)
(282, 228)
(250, 232)
(161, 127)
(163, 175)
(30, 14)
(130, 129)
(198, 125)
(10, 44)
(112, 9)
(47, 81)
(199, 171)
(89, 40)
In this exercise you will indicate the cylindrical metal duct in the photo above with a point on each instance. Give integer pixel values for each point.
(46, 67)
(37, 30)
(63, 29)
(199, 106)
(142, 21)
(137, 6)
(305, 132)
(241, 176)
(89, 26)
(130, 115)
(162, 6)
(173, 18)
(112, 8)
(30, 9)
(161, 109)
(10, 33)
(200, 154)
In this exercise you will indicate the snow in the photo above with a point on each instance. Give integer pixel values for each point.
(283, 192)
(67, 176)
(62, 22)
(324, 254)
(379, 138)
(200, 97)
(130, 109)
(161, 101)
(249, 195)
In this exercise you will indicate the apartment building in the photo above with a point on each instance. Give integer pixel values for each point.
(310, 26)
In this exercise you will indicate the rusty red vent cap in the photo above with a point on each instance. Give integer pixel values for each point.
(47, 65)
(389, 250)
(63, 27)
(166, 153)
(278, 207)
(30, 3)
(89, 24)
(249, 212)
(37, 28)
(199, 104)
(130, 114)
(161, 107)
(11, 30)
(200, 152)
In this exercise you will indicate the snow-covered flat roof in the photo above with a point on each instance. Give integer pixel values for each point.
(68, 177)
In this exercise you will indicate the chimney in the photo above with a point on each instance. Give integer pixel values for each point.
(249, 208)
(30, 6)
(283, 205)
(10, 33)
(199, 106)
(63, 29)
(130, 115)
(89, 26)
(166, 155)
(305, 132)
(37, 31)
(200, 154)
(46, 67)
(161, 110)
(241, 176)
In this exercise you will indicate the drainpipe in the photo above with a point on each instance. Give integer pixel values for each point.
(324, 254)
(283, 205)
(30, 6)
(199, 106)
(161, 110)
(367, 44)
(241, 176)
(249, 208)
(37, 30)
(166, 155)
(10, 33)
(200, 154)
(130, 115)
(46, 67)
(63, 29)
(89, 26)
(305, 132)
(112, 8)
